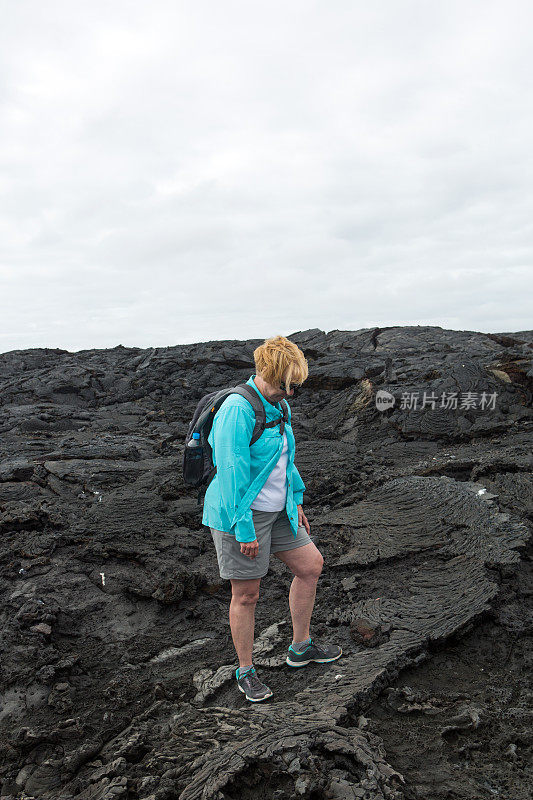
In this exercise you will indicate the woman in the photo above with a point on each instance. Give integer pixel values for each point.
(253, 507)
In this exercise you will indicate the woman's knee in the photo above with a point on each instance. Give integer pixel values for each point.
(317, 566)
(245, 592)
(312, 569)
(247, 598)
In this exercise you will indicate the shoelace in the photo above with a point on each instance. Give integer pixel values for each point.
(319, 647)
(252, 676)
(315, 644)
(312, 643)
(248, 671)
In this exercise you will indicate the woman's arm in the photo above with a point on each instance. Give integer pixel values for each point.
(298, 486)
(232, 430)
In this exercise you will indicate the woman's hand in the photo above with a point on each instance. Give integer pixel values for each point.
(250, 549)
(302, 520)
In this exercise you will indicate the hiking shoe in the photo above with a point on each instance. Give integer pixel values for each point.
(322, 654)
(252, 687)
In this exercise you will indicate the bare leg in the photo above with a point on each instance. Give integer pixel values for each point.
(306, 564)
(245, 594)
(301, 603)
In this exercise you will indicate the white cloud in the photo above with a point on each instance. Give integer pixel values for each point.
(174, 172)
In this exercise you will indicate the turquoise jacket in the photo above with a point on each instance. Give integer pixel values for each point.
(242, 470)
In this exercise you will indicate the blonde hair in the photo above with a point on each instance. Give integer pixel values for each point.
(278, 358)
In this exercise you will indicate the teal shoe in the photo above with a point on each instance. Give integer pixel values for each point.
(322, 654)
(254, 689)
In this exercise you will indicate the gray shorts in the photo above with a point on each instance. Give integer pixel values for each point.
(273, 533)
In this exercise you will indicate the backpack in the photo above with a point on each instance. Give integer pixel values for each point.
(198, 467)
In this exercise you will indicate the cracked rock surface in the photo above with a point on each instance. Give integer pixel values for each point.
(117, 666)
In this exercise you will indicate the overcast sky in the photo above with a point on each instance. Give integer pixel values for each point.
(174, 172)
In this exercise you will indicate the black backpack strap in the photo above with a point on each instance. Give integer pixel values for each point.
(211, 405)
(260, 414)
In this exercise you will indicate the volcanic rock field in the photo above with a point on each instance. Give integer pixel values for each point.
(117, 667)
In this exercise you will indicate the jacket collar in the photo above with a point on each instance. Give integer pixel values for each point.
(267, 404)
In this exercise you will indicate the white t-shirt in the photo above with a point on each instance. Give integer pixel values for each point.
(273, 495)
